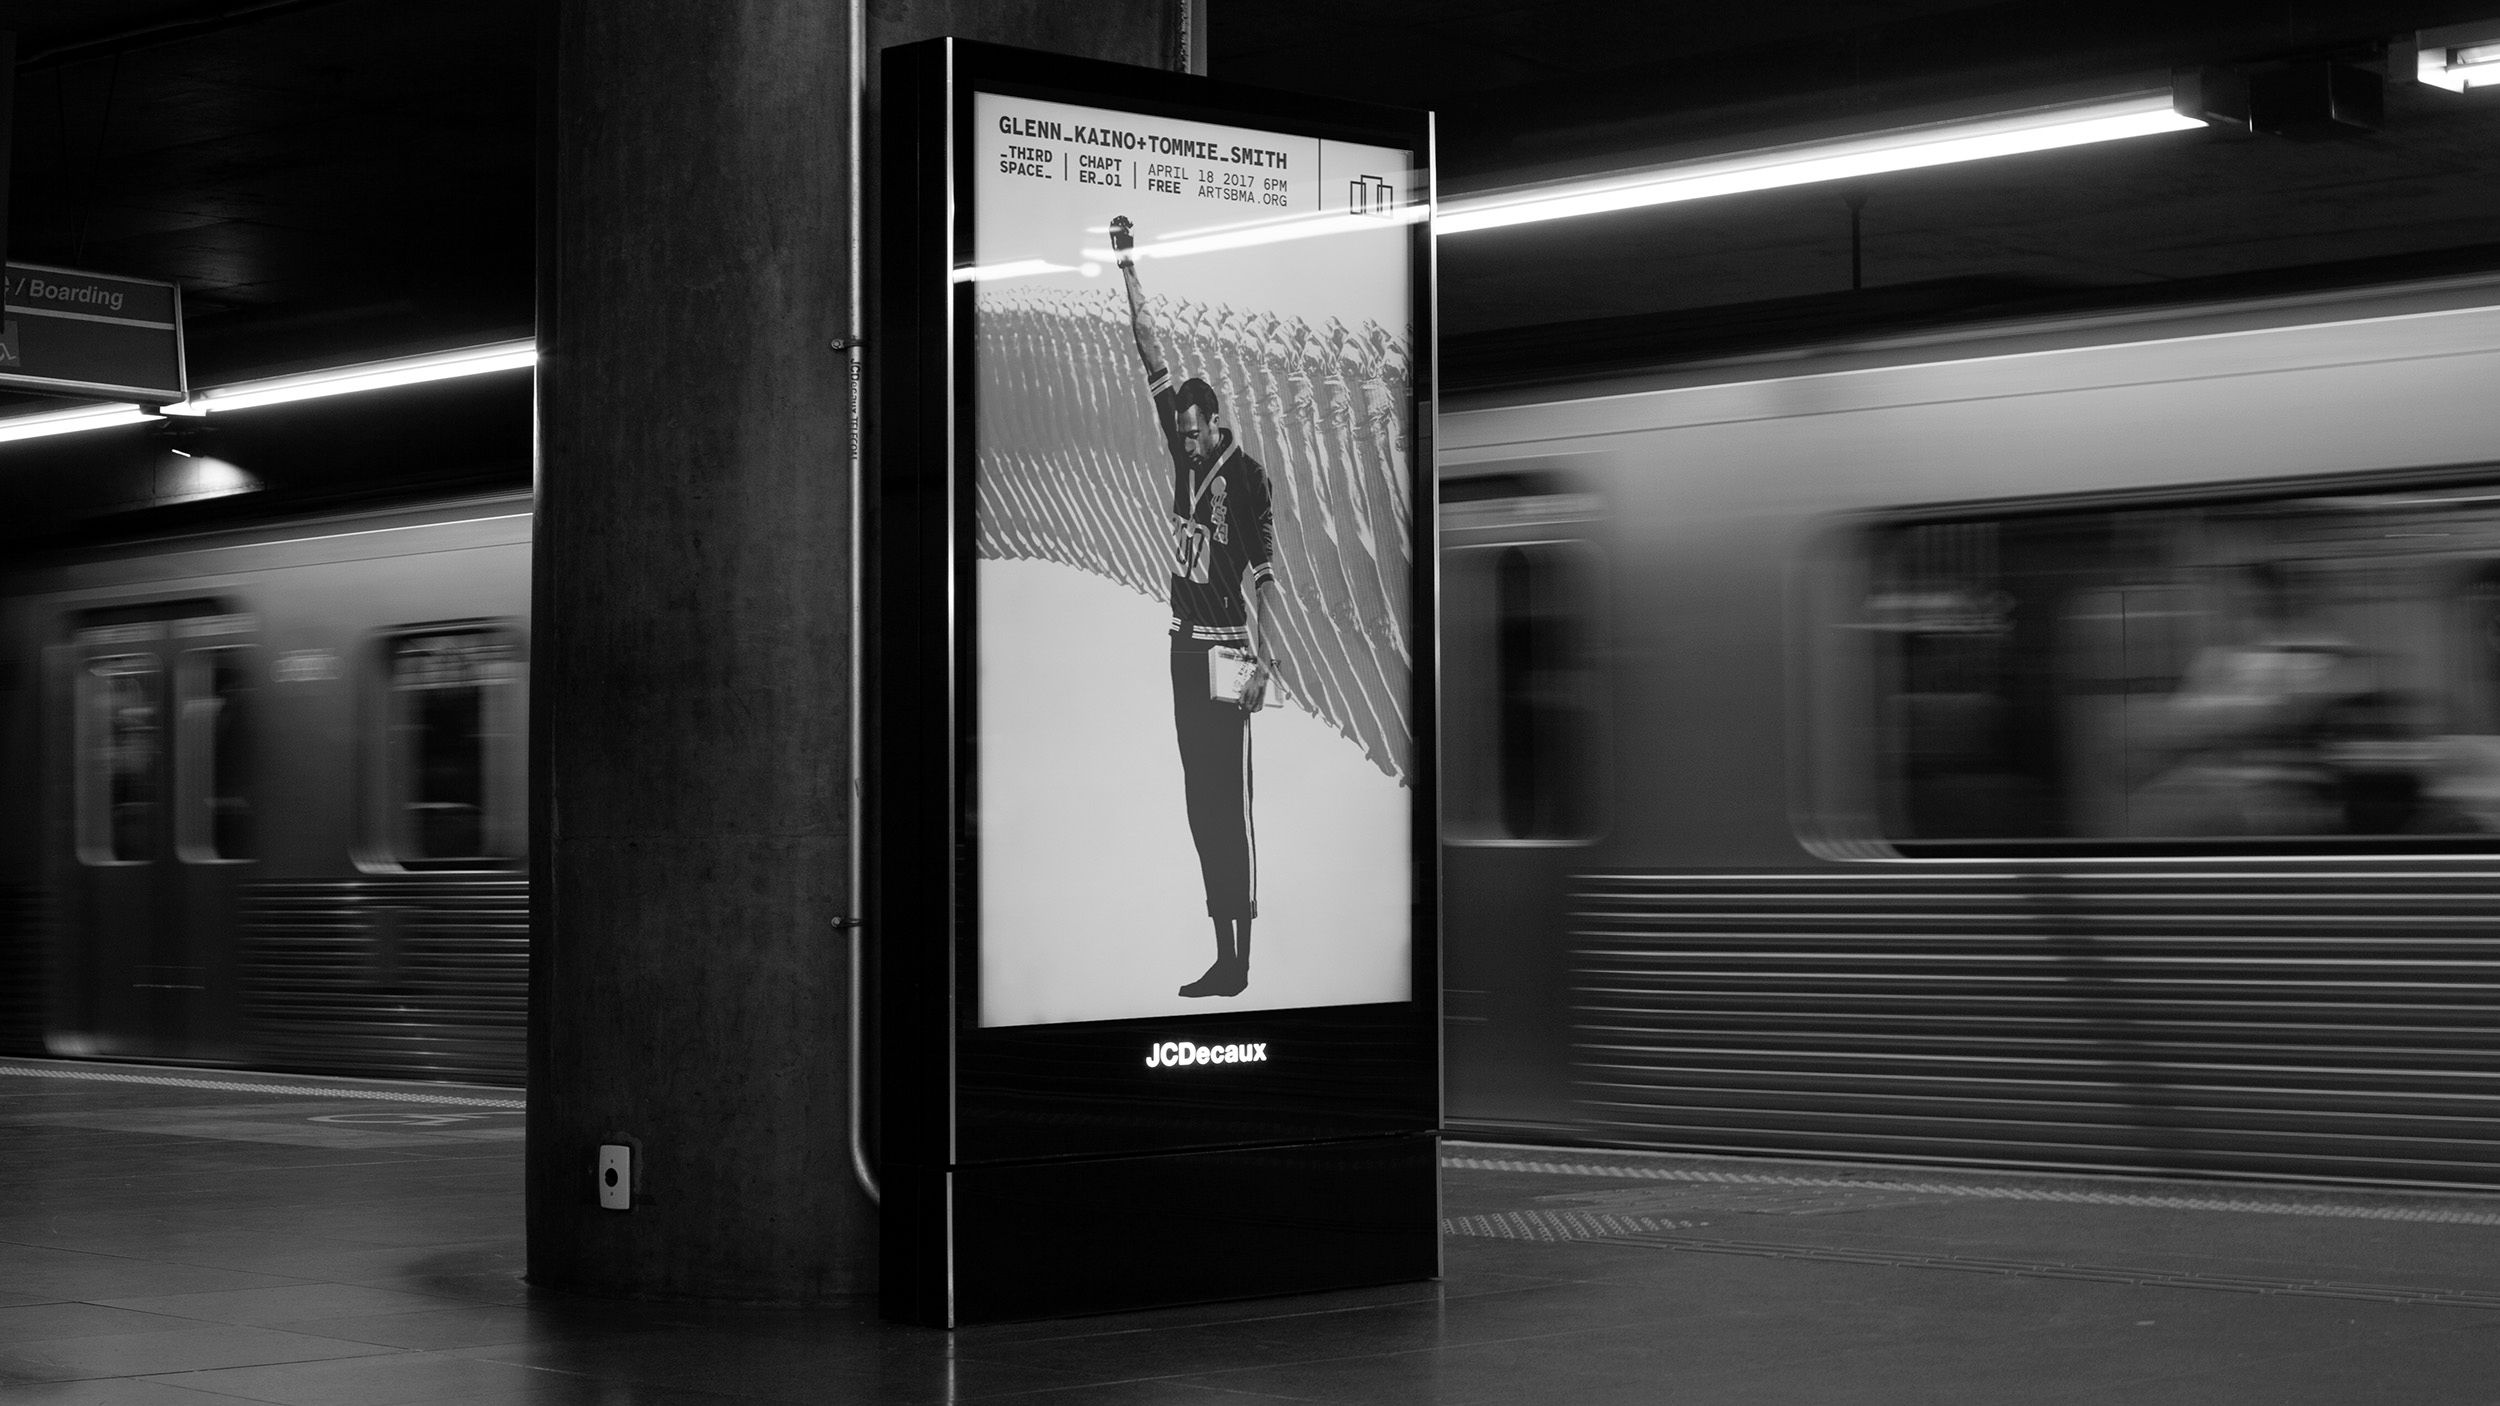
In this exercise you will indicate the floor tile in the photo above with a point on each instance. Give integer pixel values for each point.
(72, 1319)
(432, 1330)
(768, 1370)
(391, 1379)
(2458, 1367)
(283, 1304)
(190, 1268)
(176, 1350)
(121, 1276)
(116, 1391)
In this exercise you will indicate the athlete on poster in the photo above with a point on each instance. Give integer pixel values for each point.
(1194, 432)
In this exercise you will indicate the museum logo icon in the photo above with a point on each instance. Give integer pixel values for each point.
(1370, 195)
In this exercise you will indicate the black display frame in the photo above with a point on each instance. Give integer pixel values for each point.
(1035, 1170)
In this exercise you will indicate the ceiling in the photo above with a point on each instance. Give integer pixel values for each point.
(324, 179)
(337, 179)
(1527, 90)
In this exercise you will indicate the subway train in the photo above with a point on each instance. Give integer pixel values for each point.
(2070, 744)
(2049, 743)
(265, 796)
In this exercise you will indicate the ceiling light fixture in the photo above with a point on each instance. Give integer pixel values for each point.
(185, 477)
(279, 390)
(2458, 57)
(84, 417)
(351, 380)
(1847, 158)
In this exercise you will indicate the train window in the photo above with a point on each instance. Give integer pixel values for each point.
(121, 749)
(451, 756)
(2301, 671)
(214, 816)
(1522, 707)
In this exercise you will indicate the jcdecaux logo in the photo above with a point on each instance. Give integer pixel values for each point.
(1177, 1054)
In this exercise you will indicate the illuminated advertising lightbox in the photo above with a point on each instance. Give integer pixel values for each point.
(1194, 345)
(1155, 743)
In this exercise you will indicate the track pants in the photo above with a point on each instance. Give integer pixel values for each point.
(1215, 769)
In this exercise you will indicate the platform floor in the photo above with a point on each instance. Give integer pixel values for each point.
(176, 1238)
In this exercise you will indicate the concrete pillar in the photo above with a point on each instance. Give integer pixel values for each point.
(690, 634)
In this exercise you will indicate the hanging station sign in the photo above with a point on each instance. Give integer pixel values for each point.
(1156, 901)
(65, 332)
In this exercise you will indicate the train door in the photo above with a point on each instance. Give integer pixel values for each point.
(1521, 744)
(160, 822)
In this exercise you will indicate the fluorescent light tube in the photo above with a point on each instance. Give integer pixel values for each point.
(1848, 158)
(85, 417)
(350, 380)
(1277, 231)
(344, 380)
(2459, 56)
(1015, 268)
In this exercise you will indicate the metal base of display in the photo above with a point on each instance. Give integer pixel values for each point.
(1048, 1239)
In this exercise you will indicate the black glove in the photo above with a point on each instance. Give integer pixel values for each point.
(1121, 239)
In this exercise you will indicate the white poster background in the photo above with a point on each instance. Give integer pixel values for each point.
(1092, 906)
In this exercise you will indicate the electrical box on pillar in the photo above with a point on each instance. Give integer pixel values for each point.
(1156, 883)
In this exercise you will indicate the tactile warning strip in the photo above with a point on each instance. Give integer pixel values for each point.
(174, 1081)
(2107, 1274)
(1659, 1233)
(1555, 1227)
(2444, 1211)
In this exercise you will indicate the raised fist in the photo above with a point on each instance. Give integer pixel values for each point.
(1122, 240)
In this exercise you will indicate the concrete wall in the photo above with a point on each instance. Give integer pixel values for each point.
(687, 987)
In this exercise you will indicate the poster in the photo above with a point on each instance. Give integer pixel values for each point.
(1192, 370)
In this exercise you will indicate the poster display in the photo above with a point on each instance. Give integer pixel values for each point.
(1194, 439)
(1153, 883)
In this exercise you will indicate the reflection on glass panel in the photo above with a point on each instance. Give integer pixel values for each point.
(1545, 691)
(446, 717)
(2312, 666)
(216, 758)
(123, 761)
(230, 748)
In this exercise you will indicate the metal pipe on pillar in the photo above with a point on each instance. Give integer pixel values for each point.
(855, 368)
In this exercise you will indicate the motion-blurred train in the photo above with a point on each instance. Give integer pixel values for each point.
(2066, 743)
(2069, 744)
(265, 796)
